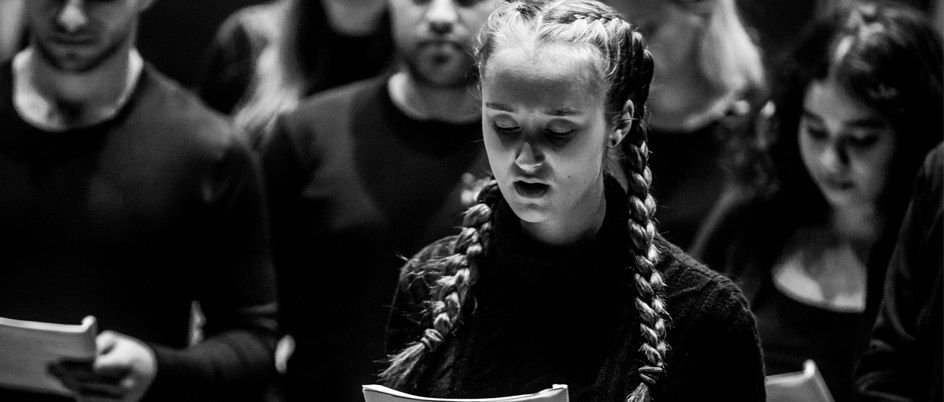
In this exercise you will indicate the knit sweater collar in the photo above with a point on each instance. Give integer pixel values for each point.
(596, 262)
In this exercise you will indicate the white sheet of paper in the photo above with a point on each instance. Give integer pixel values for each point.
(806, 386)
(28, 347)
(380, 393)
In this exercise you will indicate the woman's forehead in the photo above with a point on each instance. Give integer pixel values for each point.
(550, 74)
(546, 62)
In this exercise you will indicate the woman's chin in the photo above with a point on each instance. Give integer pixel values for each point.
(530, 210)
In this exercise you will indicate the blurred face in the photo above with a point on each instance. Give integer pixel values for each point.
(545, 131)
(846, 146)
(79, 35)
(434, 37)
(671, 31)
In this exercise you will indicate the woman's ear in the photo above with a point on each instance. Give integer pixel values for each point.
(624, 124)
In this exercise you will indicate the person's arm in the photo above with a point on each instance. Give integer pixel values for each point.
(286, 167)
(235, 285)
(893, 366)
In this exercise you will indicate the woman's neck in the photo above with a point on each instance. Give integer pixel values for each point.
(422, 102)
(860, 226)
(583, 221)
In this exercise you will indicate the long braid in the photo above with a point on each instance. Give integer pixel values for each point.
(642, 208)
(450, 292)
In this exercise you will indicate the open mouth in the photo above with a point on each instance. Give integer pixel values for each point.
(531, 190)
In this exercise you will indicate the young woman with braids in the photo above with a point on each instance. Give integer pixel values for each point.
(808, 239)
(559, 275)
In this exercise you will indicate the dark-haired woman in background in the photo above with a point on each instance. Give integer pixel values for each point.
(858, 105)
(267, 57)
(559, 275)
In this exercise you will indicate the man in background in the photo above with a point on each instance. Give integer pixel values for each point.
(359, 177)
(123, 197)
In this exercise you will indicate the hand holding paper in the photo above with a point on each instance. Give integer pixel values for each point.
(123, 370)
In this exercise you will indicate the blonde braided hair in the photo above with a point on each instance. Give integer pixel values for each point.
(625, 67)
(450, 291)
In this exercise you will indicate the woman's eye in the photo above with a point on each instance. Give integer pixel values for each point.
(815, 132)
(559, 137)
(863, 140)
(505, 129)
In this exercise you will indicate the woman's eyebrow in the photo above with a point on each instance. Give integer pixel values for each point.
(499, 106)
(557, 112)
(808, 114)
(866, 122)
(562, 112)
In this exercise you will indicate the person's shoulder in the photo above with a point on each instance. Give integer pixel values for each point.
(696, 293)
(420, 272)
(434, 251)
(181, 116)
(321, 122)
(328, 102)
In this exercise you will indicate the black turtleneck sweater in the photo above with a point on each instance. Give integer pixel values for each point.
(544, 315)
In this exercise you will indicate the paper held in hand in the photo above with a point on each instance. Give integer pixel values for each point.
(27, 348)
(806, 386)
(379, 393)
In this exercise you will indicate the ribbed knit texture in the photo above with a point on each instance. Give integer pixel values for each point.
(543, 315)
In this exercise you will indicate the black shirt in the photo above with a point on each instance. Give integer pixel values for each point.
(133, 219)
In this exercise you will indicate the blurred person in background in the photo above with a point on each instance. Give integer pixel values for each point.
(123, 197)
(266, 58)
(809, 231)
(708, 87)
(174, 34)
(361, 175)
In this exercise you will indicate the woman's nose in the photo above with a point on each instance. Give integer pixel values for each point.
(834, 157)
(529, 156)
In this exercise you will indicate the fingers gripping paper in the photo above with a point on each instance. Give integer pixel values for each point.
(379, 393)
(27, 348)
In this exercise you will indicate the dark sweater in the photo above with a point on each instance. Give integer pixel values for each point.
(905, 359)
(545, 315)
(133, 219)
(353, 185)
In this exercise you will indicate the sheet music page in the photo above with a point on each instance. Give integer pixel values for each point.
(27, 348)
